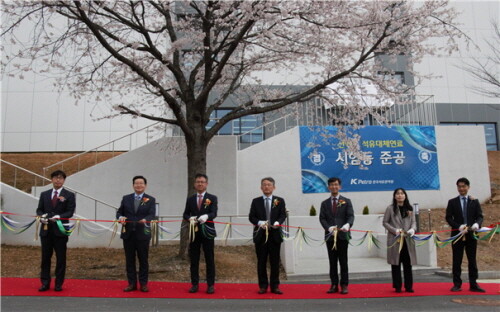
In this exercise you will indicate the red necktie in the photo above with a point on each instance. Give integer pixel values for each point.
(200, 200)
(54, 199)
(334, 206)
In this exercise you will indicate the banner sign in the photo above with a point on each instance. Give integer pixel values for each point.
(397, 156)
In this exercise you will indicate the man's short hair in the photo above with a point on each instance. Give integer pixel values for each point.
(268, 179)
(463, 180)
(334, 179)
(58, 173)
(201, 175)
(139, 177)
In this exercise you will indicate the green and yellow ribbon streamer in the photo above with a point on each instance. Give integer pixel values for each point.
(61, 228)
(205, 232)
(462, 235)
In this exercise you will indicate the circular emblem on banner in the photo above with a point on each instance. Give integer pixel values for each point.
(424, 156)
(317, 158)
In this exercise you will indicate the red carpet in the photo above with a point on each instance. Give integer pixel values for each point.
(11, 286)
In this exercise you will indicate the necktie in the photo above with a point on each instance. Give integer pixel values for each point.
(334, 206)
(137, 201)
(200, 200)
(268, 209)
(54, 199)
(464, 211)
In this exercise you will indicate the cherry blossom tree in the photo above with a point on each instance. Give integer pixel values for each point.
(178, 61)
(485, 69)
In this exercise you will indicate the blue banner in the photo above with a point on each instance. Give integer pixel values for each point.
(397, 156)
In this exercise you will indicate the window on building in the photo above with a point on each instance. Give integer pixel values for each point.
(398, 76)
(490, 132)
(249, 128)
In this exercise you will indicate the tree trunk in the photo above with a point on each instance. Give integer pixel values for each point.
(197, 163)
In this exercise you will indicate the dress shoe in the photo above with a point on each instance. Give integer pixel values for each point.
(262, 291)
(277, 291)
(58, 288)
(210, 290)
(144, 288)
(410, 290)
(44, 288)
(344, 290)
(193, 289)
(477, 289)
(398, 290)
(130, 288)
(456, 288)
(333, 289)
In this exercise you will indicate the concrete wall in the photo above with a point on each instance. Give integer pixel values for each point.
(164, 164)
(312, 258)
(461, 152)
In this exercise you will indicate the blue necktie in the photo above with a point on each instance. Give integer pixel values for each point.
(464, 211)
(268, 209)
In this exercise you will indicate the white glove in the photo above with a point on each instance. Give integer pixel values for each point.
(44, 220)
(475, 227)
(276, 225)
(192, 219)
(331, 228)
(54, 218)
(346, 227)
(462, 227)
(122, 219)
(202, 219)
(398, 231)
(411, 232)
(262, 224)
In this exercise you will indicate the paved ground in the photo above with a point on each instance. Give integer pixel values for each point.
(406, 304)
(122, 305)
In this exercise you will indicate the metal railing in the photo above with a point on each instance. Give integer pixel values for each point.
(267, 130)
(420, 111)
(110, 147)
(84, 197)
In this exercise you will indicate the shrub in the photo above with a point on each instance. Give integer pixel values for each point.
(312, 211)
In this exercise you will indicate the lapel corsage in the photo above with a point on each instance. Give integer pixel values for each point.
(276, 202)
(144, 201)
(61, 199)
(341, 202)
(207, 202)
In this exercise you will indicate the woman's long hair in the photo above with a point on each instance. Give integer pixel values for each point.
(406, 204)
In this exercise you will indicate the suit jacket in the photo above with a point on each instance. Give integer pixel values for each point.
(454, 215)
(258, 213)
(393, 221)
(208, 207)
(65, 208)
(344, 214)
(146, 210)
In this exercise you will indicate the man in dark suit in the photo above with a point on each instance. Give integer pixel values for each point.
(464, 214)
(55, 204)
(200, 208)
(337, 216)
(267, 213)
(135, 212)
